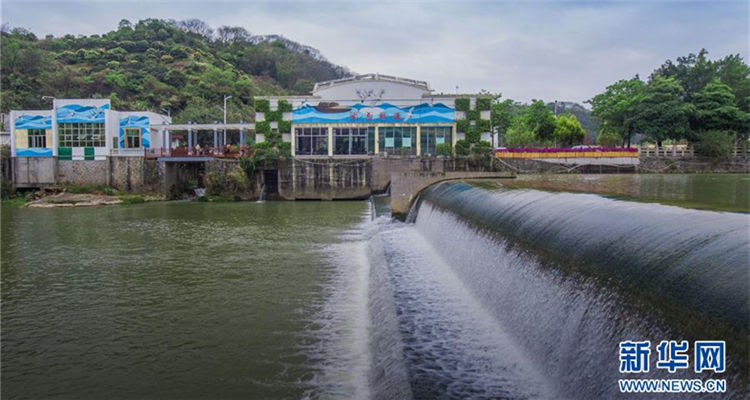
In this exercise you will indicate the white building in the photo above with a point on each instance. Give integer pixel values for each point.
(83, 129)
(372, 114)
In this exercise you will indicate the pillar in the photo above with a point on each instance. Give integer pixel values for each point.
(292, 140)
(377, 141)
(419, 140)
(190, 144)
(216, 144)
(453, 136)
(330, 141)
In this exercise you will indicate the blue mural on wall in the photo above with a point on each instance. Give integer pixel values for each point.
(33, 122)
(136, 121)
(79, 113)
(382, 113)
(34, 152)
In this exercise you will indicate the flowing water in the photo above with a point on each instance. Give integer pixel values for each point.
(488, 293)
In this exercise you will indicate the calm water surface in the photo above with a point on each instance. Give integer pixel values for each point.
(720, 192)
(178, 300)
(333, 300)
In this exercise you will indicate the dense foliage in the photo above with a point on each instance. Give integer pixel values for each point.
(695, 99)
(181, 66)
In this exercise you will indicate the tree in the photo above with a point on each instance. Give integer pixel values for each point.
(502, 114)
(124, 24)
(196, 26)
(617, 106)
(231, 34)
(661, 112)
(733, 71)
(568, 131)
(715, 109)
(519, 134)
(692, 72)
(608, 137)
(539, 120)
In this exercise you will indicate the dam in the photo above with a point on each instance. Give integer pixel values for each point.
(485, 292)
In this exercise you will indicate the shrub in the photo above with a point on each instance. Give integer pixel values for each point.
(214, 183)
(463, 147)
(263, 127)
(285, 126)
(473, 135)
(484, 103)
(463, 104)
(262, 105)
(285, 149)
(472, 115)
(463, 125)
(444, 149)
(236, 180)
(285, 106)
(715, 144)
(273, 116)
(483, 125)
(481, 150)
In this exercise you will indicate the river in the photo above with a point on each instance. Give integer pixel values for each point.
(489, 293)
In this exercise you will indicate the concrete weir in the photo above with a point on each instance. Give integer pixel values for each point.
(405, 186)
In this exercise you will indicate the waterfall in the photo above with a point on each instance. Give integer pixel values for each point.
(262, 197)
(526, 294)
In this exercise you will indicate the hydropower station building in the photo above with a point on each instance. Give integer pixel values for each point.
(372, 114)
(363, 115)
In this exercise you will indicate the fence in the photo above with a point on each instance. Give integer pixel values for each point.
(681, 151)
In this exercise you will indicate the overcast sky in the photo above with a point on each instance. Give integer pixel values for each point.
(553, 50)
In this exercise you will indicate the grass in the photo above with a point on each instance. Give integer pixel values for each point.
(132, 199)
(96, 189)
(16, 201)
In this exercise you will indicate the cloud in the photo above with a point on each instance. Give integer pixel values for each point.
(549, 50)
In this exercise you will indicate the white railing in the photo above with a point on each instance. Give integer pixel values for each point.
(681, 150)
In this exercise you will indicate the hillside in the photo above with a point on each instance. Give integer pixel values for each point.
(183, 66)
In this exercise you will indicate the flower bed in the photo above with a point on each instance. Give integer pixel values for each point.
(566, 152)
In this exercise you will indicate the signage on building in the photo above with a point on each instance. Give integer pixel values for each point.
(383, 113)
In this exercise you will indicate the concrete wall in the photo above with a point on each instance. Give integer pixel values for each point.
(34, 171)
(78, 172)
(134, 174)
(325, 179)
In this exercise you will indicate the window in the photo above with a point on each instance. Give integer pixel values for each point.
(398, 140)
(37, 138)
(81, 134)
(132, 138)
(311, 141)
(352, 140)
(431, 136)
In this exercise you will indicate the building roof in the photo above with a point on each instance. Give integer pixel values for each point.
(371, 77)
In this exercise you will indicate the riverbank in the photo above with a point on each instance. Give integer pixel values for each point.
(77, 196)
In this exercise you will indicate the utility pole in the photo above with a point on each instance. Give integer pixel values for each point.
(226, 97)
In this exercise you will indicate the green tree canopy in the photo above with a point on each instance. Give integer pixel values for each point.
(715, 109)
(568, 131)
(539, 120)
(502, 114)
(661, 112)
(617, 106)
